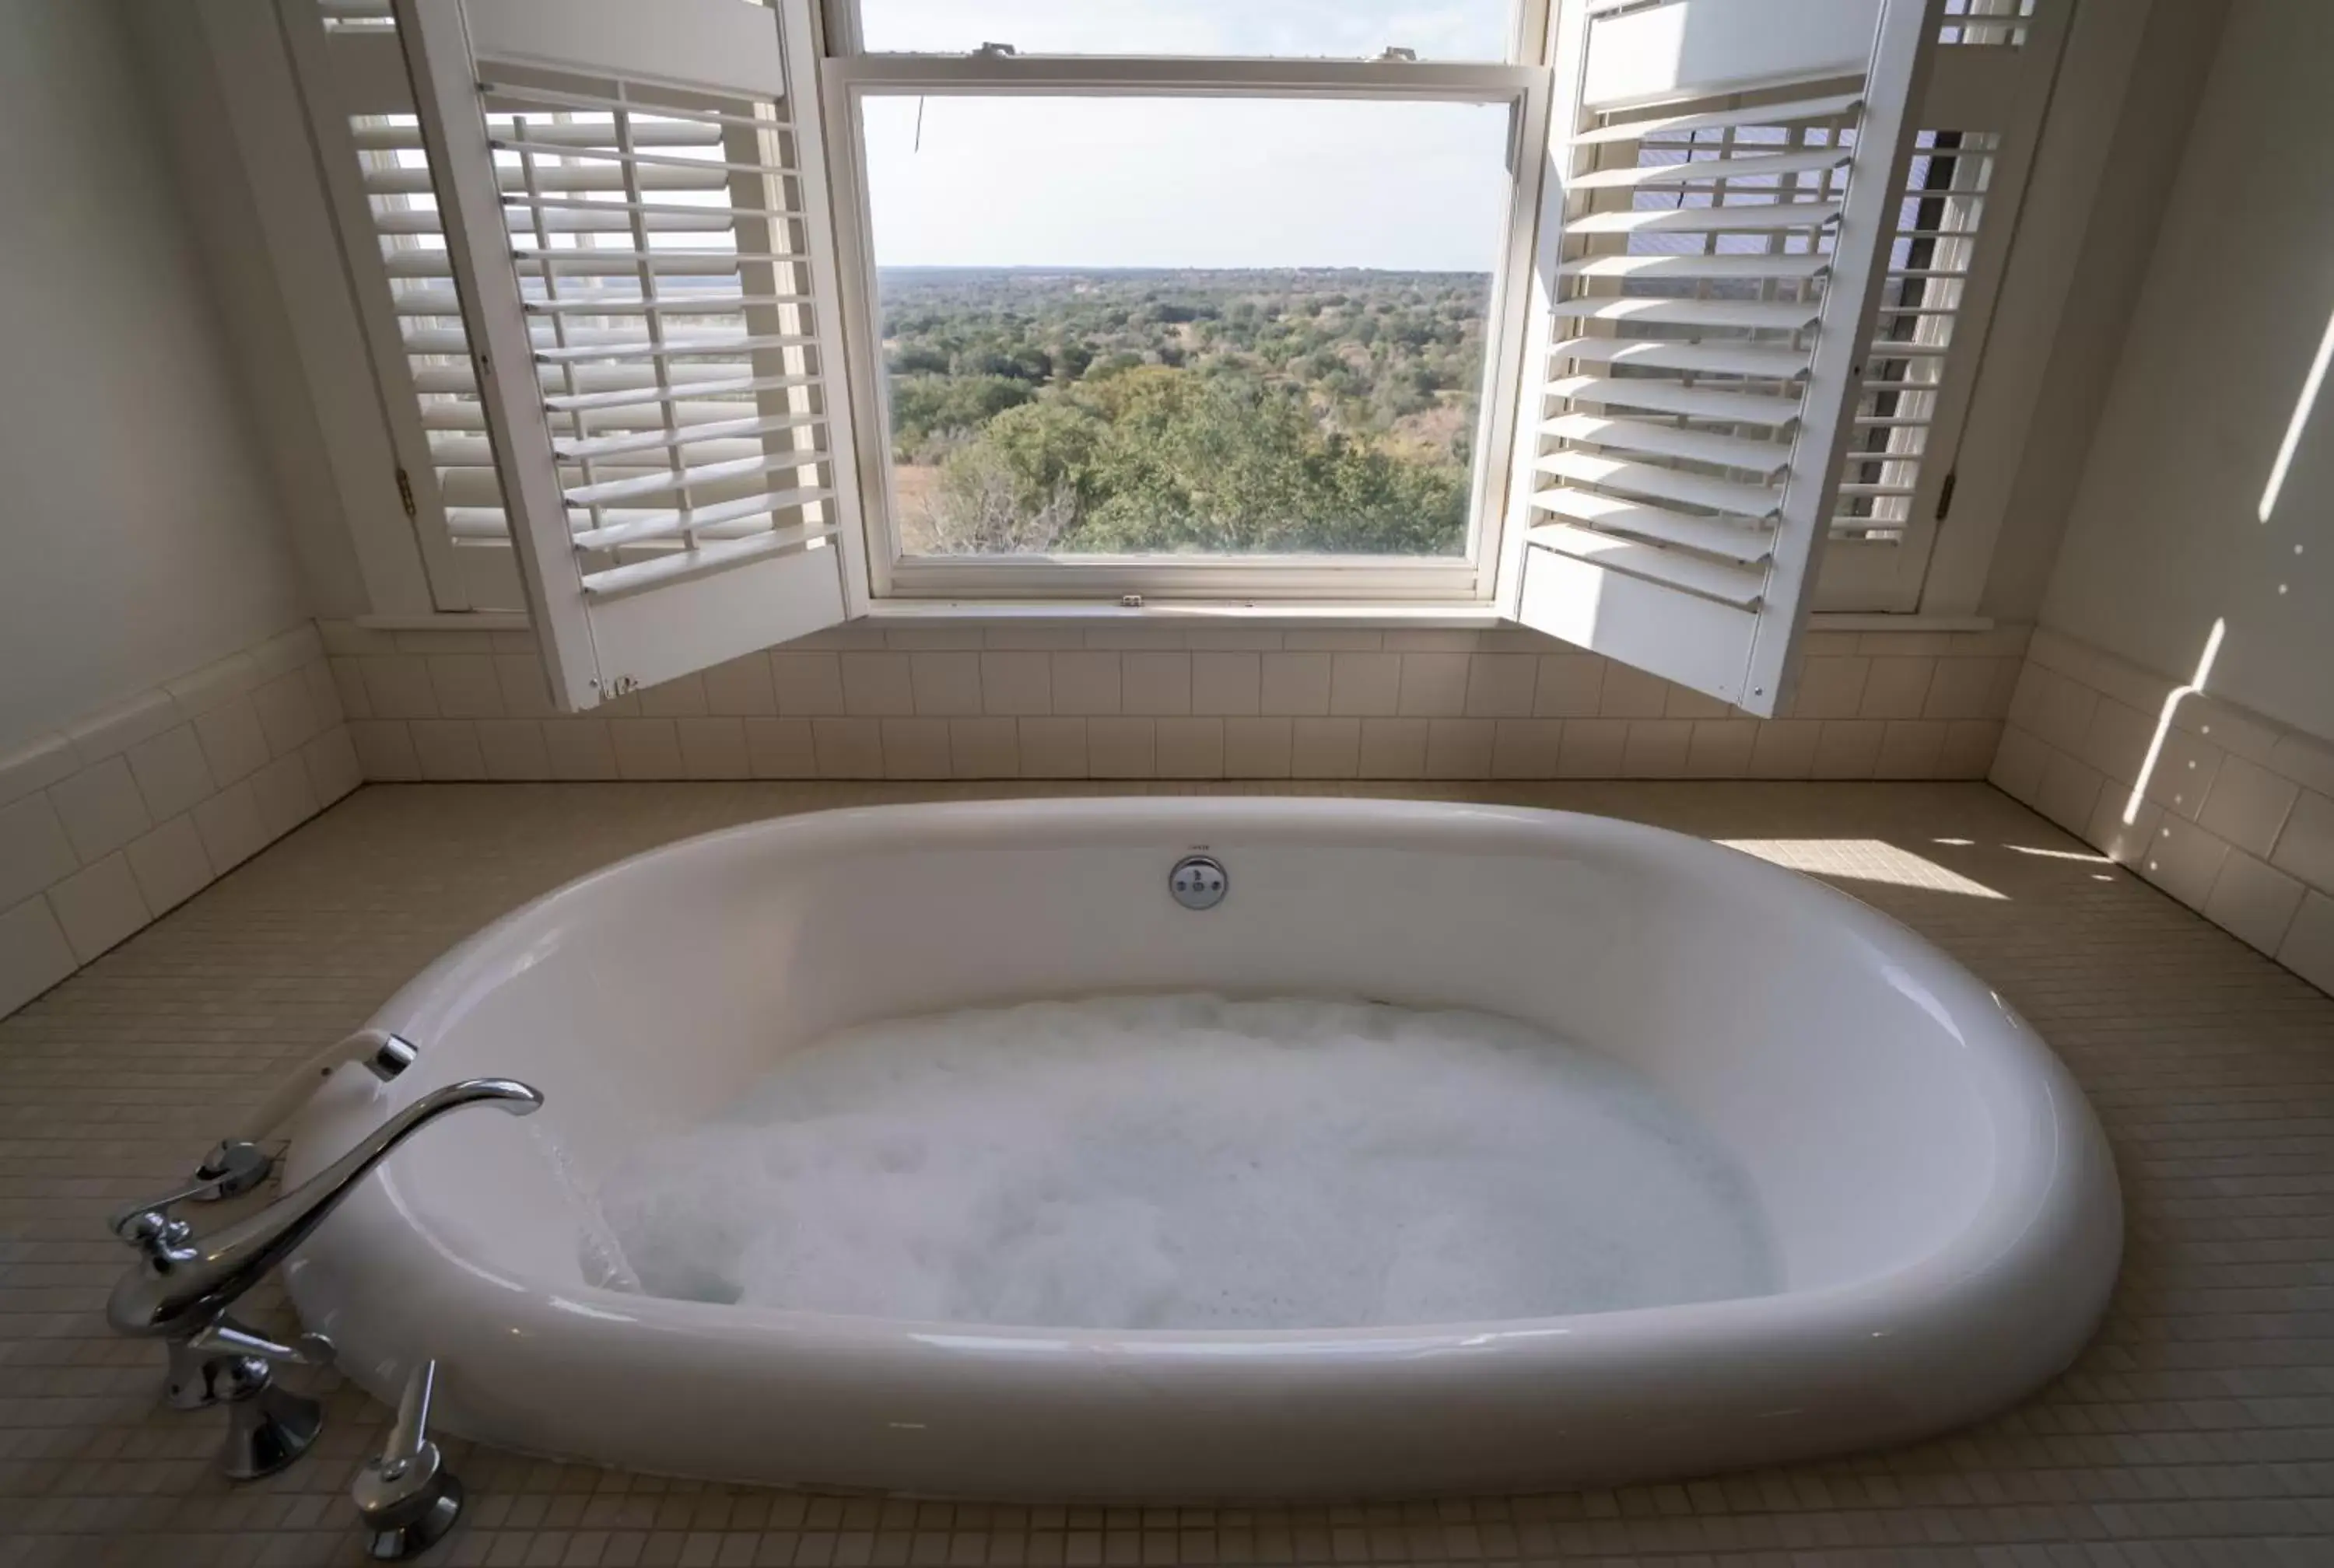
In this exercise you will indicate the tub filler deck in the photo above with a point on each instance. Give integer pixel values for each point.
(1942, 1203)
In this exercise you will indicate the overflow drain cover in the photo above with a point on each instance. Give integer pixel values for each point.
(1197, 882)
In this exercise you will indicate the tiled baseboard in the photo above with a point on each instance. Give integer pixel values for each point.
(1037, 700)
(2235, 817)
(134, 810)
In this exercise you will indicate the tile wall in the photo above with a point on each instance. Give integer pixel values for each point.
(1066, 701)
(132, 812)
(2227, 812)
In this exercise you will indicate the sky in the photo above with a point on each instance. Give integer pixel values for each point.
(1183, 182)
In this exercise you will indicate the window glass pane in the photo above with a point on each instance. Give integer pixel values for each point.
(1343, 29)
(1144, 325)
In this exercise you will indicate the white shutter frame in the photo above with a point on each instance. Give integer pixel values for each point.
(1635, 599)
(615, 631)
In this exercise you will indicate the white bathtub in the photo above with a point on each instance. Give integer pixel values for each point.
(1942, 1201)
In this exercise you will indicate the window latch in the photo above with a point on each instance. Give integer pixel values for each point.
(1396, 52)
(994, 52)
(1945, 494)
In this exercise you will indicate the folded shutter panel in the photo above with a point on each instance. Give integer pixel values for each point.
(633, 205)
(1721, 202)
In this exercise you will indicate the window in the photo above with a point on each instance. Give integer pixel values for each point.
(1538, 306)
(1184, 325)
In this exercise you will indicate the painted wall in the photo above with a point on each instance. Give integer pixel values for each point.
(2168, 534)
(144, 536)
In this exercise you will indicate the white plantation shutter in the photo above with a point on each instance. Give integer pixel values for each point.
(1720, 202)
(636, 242)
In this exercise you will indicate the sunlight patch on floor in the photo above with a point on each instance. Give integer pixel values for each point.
(1862, 861)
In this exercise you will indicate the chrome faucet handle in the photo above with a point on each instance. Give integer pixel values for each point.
(406, 1496)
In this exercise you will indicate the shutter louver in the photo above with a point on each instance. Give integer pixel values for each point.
(636, 243)
(1711, 250)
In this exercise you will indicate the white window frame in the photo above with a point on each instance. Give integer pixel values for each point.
(848, 77)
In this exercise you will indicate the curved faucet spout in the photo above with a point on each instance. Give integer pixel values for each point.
(186, 1282)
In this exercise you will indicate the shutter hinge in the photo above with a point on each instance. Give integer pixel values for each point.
(1945, 494)
(405, 492)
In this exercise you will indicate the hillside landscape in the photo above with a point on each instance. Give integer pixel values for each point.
(1138, 412)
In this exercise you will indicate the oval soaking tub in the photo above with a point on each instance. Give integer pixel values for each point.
(1943, 1208)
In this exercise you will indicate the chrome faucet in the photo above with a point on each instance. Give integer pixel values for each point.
(181, 1290)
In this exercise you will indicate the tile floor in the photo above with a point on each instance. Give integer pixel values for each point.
(2198, 1428)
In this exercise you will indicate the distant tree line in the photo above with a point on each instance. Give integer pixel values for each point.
(1218, 411)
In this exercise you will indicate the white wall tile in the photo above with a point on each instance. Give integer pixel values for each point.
(1364, 684)
(848, 747)
(1829, 687)
(1035, 637)
(1458, 748)
(332, 767)
(1897, 687)
(1684, 702)
(324, 696)
(2116, 741)
(2253, 901)
(1591, 747)
(1233, 638)
(113, 730)
(1084, 682)
(1325, 747)
(916, 749)
(1297, 685)
(2309, 947)
(1722, 747)
(741, 689)
(34, 848)
(2247, 806)
(946, 684)
(397, 686)
(985, 747)
(1568, 686)
(935, 639)
(213, 685)
(1971, 689)
(1227, 683)
(287, 718)
(1501, 685)
(35, 765)
(1630, 693)
(1156, 683)
(682, 697)
(526, 690)
(287, 650)
(170, 864)
(1131, 638)
(2185, 766)
(34, 952)
(1786, 748)
(1430, 640)
(465, 686)
(446, 749)
(1433, 685)
(1910, 748)
(1052, 747)
(1657, 747)
(876, 685)
(283, 796)
(2124, 843)
(1017, 683)
(1331, 640)
(1970, 747)
(2306, 762)
(513, 748)
(579, 748)
(1190, 748)
(101, 809)
(2019, 765)
(230, 827)
(2305, 846)
(384, 749)
(1848, 748)
(646, 748)
(1121, 747)
(712, 747)
(2070, 792)
(232, 741)
(1393, 748)
(1259, 747)
(348, 679)
(1526, 748)
(809, 683)
(2184, 859)
(435, 641)
(781, 748)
